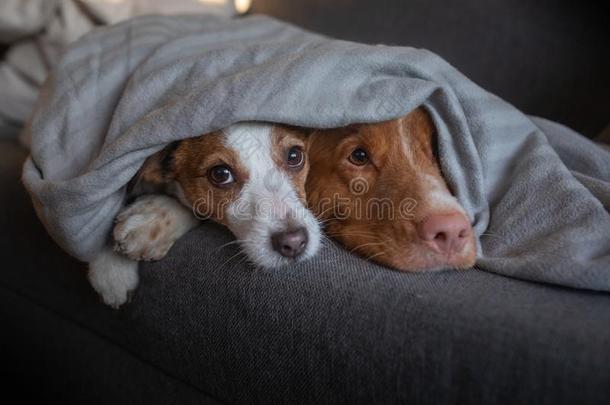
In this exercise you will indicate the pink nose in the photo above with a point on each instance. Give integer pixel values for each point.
(446, 233)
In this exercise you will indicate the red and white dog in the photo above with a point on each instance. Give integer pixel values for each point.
(377, 188)
(380, 192)
(249, 177)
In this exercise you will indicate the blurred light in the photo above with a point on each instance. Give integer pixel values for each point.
(242, 6)
(218, 2)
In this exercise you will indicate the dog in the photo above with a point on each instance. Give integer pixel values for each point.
(380, 192)
(249, 177)
(378, 189)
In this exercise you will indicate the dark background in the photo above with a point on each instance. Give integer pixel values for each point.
(548, 58)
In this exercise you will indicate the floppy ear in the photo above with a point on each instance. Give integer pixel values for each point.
(156, 173)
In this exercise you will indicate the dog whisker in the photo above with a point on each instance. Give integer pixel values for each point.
(371, 257)
(343, 234)
(233, 242)
(321, 214)
(367, 244)
(226, 262)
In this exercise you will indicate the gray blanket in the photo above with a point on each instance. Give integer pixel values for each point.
(537, 193)
(37, 32)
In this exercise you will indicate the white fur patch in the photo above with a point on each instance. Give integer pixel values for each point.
(268, 202)
(438, 197)
(148, 228)
(114, 277)
(404, 144)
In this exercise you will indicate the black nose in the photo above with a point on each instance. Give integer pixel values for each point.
(290, 243)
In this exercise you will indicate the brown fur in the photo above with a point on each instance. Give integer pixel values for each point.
(285, 137)
(188, 161)
(360, 205)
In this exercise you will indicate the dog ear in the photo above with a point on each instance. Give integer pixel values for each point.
(156, 173)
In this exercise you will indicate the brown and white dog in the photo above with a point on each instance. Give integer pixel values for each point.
(377, 188)
(379, 191)
(249, 177)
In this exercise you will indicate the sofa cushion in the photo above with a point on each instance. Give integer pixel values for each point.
(333, 329)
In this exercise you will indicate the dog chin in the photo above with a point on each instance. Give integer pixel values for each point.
(423, 261)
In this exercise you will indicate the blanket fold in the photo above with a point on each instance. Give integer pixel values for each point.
(536, 192)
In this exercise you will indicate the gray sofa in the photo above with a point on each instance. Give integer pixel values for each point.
(206, 328)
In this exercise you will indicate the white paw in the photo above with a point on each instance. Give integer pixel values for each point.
(114, 277)
(148, 228)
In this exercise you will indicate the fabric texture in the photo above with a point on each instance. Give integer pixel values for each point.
(335, 329)
(122, 93)
(38, 32)
(545, 57)
(54, 329)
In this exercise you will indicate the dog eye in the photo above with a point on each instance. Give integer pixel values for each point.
(296, 157)
(221, 175)
(359, 157)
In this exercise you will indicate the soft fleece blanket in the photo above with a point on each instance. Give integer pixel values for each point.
(37, 32)
(537, 193)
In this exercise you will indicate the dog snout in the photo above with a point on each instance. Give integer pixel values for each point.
(445, 233)
(290, 243)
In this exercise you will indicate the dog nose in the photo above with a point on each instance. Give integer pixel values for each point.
(290, 243)
(446, 233)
